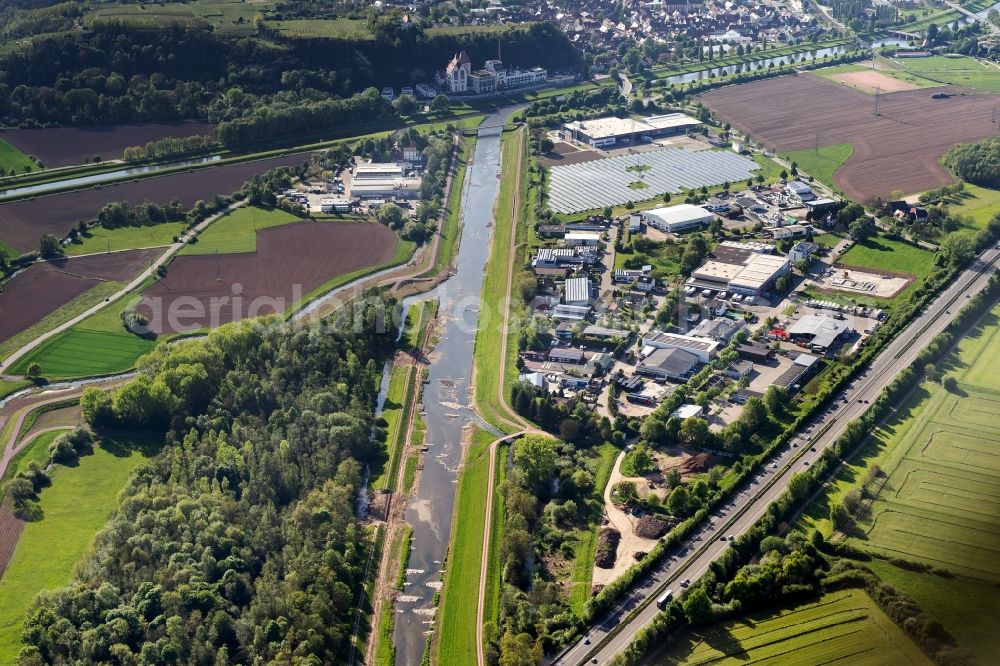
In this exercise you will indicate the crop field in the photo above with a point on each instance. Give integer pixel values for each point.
(941, 500)
(68, 146)
(890, 256)
(231, 17)
(899, 149)
(945, 70)
(844, 627)
(12, 158)
(23, 222)
(99, 239)
(49, 285)
(80, 352)
(339, 28)
(290, 262)
(75, 507)
(237, 232)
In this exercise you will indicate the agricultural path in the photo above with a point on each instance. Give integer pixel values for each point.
(171, 250)
(612, 633)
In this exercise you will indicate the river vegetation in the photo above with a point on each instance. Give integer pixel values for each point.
(238, 543)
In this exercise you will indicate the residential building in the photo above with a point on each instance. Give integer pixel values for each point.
(388, 93)
(789, 231)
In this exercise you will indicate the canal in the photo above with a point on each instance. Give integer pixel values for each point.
(447, 400)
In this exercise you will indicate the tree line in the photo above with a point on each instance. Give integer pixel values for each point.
(238, 542)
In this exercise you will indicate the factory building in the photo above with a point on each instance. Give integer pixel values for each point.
(677, 219)
(610, 131)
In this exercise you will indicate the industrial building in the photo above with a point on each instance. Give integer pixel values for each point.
(720, 329)
(335, 205)
(820, 332)
(799, 189)
(740, 268)
(588, 238)
(609, 131)
(668, 363)
(378, 171)
(386, 188)
(578, 291)
(677, 219)
(704, 349)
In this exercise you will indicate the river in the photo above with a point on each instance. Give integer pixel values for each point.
(754, 65)
(446, 399)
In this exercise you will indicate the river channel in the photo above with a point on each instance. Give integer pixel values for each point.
(446, 399)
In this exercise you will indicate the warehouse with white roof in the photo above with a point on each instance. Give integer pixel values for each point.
(677, 219)
(601, 132)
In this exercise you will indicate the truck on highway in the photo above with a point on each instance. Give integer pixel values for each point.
(664, 599)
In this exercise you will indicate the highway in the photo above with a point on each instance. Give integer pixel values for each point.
(613, 632)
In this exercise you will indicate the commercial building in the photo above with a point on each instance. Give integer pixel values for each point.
(571, 312)
(378, 171)
(704, 350)
(720, 329)
(795, 376)
(802, 251)
(566, 355)
(670, 363)
(677, 219)
(578, 291)
(588, 238)
(801, 190)
(742, 268)
(603, 132)
(688, 411)
(335, 205)
(820, 332)
(385, 188)
(789, 231)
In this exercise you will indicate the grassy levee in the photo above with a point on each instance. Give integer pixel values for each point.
(99, 239)
(491, 608)
(451, 228)
(396, 411)
(12, 158)
(489, 336)
(823, 163)
(843, 626)
(456, 617)
(8, 386)
(931, 513)
(399, 553)
(237, 231)
(74, 509)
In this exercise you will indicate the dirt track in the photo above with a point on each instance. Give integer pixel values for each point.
(48, 285)
(22, 223)
(896, 150)
(303, 254)
(67, 146)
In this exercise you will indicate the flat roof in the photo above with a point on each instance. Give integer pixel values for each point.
(687, 411)
(679, 213)
(759, 269)
(717, 271)
(611, 126)
(578, 289)
(582, 235)
(684, 341)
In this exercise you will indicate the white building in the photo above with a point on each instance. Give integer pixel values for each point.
(377, 171)
(335, 206)
(578, 291)
(455, 78)
(704, 349)
(458, 76)
(588, 238)
(611, 130)
(802, 251)
(800, 189)
(789, 231)
(677, 219)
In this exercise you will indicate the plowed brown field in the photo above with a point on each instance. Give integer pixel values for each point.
(290, 261)
(897, 150)
(48, 285)
(22, 223)
(67, 146)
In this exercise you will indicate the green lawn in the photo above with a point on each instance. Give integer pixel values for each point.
(74, 508)
(231, 17)
(940, 502)
(395, 412)
(823, 163)
(79, 352)
(841, 627)
(126, 238)
(460, 595)
(946, 69)
(237, 232)
(585, 545)
(451, 229)
(883, 254)
(8, 386)
(36, 451)
(980, 204)
(12, 158)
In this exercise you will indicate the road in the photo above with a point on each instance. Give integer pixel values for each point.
(613, 632)
(137, 281)
(975, 17)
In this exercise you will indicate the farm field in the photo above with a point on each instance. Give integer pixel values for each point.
(939, 503)
(236, 232)
(822, 164)
(100, 239)
(231, 17)
(945, 69)
(68, 146)
(340, 28)
(47, 286)
(75, 507)
(12, 158)
(79, 352)
(899, 149)
(23, 222)
(883, 254)
(841, 627)
(871, 80)
(290, 262)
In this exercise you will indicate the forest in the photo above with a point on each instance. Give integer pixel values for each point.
(978, 163)
(237, 543)
(120, 73)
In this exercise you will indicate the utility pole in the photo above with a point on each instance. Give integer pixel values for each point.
(218, 268)
(877, 89)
